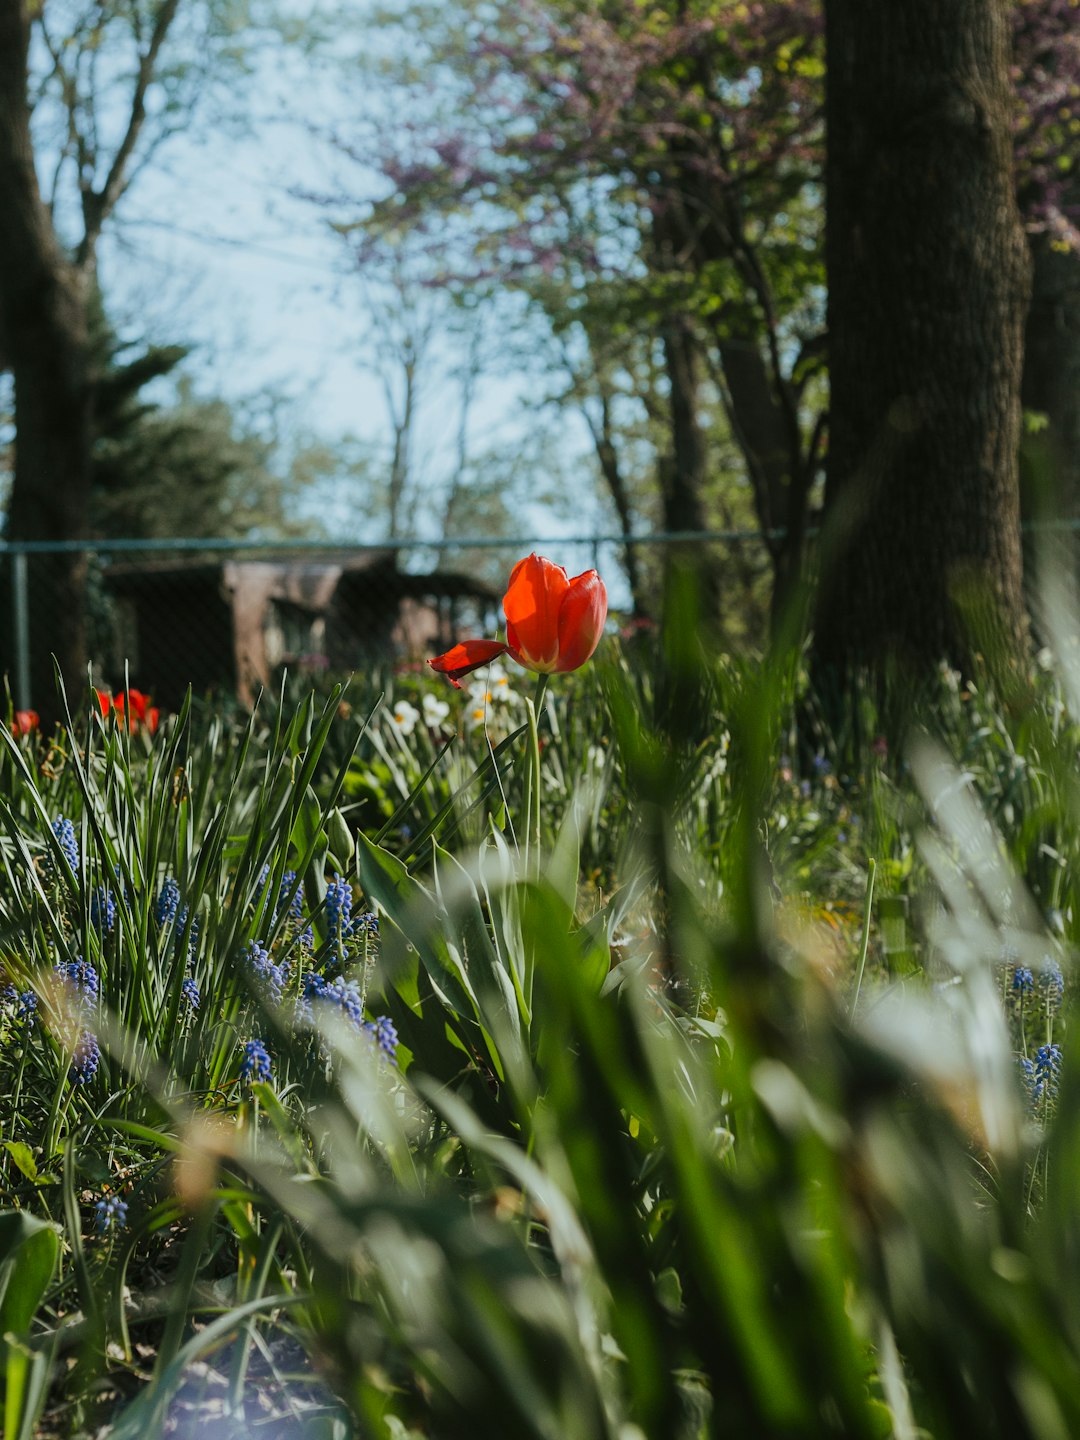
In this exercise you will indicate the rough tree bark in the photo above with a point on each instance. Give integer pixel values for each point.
(700, 226)
(928, 284)
(45, 342)
(607, 455)
(683, 469)
(1051, 388)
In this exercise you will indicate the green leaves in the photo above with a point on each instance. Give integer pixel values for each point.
(22, 1156)
(28, 1253)
(637, 1166)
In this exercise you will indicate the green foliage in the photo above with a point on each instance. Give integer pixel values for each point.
(192, 467)
(642, 1165)
(28, 1253)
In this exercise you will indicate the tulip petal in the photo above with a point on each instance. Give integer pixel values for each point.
(531, 604)
(465, 656)
(137, 703)
(581, 620)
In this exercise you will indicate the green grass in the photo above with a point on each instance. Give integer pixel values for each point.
(641, 1165)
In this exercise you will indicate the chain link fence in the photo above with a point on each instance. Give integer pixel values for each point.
(232, 617)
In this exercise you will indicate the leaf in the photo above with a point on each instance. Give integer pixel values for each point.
(502, 898)
(413, 910)
(491, 982)
(23, 1157)
(308, 838)
(341, 842)
(282, 1122)
(564, 863)
(28, 1252)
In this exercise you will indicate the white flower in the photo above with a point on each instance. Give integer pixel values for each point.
(435, 711)
(492, 690)
(405, 717)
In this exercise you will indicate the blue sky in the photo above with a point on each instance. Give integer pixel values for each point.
(212, 248)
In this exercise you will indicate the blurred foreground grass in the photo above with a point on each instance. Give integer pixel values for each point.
(647, 1064)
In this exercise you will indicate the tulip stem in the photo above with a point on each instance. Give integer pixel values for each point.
(865, 946)
(539, 694)
(532, 796)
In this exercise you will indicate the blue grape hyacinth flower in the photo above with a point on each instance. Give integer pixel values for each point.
(193, 933)
(81, 982)
(85, 1059)
(343, 994)
(103, 910)
(22, 1003)
(1027, 1078)
(167, 903)
(64, 830)
(1051, 983)
(1047, 1069)
(1023, 981)
(296, 903)
(111, 1214)
(338, 908)
(256, 1064)
(381, 1030)
(270, 978)
(294, 909)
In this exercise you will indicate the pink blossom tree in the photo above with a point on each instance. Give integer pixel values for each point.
(664, 164)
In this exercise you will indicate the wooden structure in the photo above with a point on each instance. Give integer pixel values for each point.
(235, 624)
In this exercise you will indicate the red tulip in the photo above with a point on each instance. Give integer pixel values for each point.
(553, 624)
(469, 655)
(124, 711)
(131, 706)
(24, 722)
(136, 704)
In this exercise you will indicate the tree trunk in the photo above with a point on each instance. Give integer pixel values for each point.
(685, 475)
(780, 470)
(928, 281)
(608, 458)
(700, 222)
(43, 338)
(1050, 456)
(49, 502)
(683, 471)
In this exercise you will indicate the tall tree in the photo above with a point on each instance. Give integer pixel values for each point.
(676, 149)
(667, 152)
(115, 86)
(928, 286)
(1046, 73)
(192, 467)
(45, 335)
(1051, 391)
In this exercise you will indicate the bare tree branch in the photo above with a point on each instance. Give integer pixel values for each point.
(99, 204)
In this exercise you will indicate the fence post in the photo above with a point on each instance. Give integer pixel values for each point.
(20, 610)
